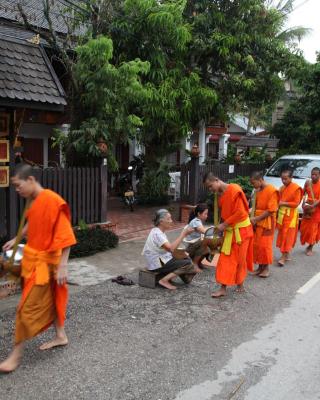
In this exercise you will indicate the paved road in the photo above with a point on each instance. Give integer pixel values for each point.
(135, 343)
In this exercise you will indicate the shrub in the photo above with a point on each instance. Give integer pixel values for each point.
(244, 182)
(89, 241)
(93, 240)
(154, 186)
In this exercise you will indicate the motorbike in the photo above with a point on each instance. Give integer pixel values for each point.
(128, 195)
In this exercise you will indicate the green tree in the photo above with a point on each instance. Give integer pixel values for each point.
(108, 95)
(156, 32)
(299, 130)
(238, 49)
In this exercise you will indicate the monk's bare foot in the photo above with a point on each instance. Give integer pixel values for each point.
(281, 262)
(257, 271)
(167, 284)
(240, 289)
(219, 293)
(265, 273)
(288, 258)
(9, 365)
(206, 263)
(309, 251)
(56, 342)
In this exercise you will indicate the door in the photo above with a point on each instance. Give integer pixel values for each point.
(33, 150)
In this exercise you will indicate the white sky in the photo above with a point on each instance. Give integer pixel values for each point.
(307, 14)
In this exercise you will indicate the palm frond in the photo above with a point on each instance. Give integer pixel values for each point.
(296, 33)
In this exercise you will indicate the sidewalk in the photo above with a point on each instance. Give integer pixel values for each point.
(137, 224)
(101, 267)
(124, 259)
(133, 229)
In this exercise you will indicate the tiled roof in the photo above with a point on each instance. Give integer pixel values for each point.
(11, 31)
(258, 141)
(27, 75)
(34, 11)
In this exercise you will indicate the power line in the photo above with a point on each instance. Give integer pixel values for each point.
(16, 11)
(72, 4)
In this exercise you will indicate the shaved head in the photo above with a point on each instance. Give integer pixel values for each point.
(256, 175)
(287, 172)
(24, 171)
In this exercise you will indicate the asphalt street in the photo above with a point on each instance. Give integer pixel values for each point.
(144, 344)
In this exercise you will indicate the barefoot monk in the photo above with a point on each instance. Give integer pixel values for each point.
(310, 224)
(236, 253)
(288, 216)
(44, 265)
(263, 218)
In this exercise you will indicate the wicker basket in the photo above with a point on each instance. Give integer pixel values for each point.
(14, 269)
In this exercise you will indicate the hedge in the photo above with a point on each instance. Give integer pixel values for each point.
(90, 240)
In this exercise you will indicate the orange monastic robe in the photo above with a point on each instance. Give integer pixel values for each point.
(288, 217)
(310, 227)
(232, 268)
(266, 200)
(49, 231)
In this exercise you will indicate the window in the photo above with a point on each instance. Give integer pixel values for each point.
(300, 168)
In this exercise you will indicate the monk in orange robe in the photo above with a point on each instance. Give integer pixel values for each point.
(288, 217)
(263, 218)
(44, 265)
(310, 224)
(236, 256)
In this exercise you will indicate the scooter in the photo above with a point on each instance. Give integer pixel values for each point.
(128, 195)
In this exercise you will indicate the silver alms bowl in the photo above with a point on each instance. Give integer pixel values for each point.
(18, 256)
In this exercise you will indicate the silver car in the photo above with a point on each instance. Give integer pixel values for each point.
(300, 164)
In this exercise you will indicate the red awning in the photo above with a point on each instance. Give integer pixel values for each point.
(216, 130)
(234, 138)
(213, 138)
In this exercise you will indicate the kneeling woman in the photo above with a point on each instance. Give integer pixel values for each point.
(198, 247)
(158, 252)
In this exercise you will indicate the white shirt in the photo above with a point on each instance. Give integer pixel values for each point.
(153, 251)
(195, 235)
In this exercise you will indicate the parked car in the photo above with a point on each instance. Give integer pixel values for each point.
(300, 164)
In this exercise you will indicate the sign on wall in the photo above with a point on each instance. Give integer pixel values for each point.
(4, 176)
(4, 151)
(4, 123)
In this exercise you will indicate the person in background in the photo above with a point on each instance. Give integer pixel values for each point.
(310, 224)
(158, 252)
(288, 217)
(263, 219)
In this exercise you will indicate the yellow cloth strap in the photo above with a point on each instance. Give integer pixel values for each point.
(286, 211)
(253, 203)
(39, 262)
(215, 209)
(227, 241)
(311, 190)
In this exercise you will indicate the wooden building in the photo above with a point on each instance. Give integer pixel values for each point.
(32, 105)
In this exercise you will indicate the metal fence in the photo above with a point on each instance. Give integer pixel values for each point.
(192, 188)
